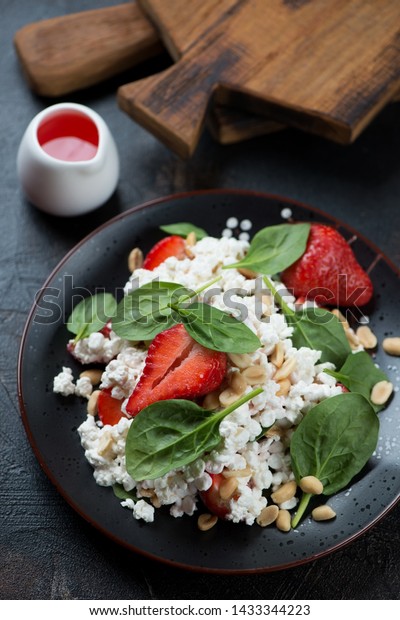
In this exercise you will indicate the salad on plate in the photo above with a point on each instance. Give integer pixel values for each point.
(226, 382)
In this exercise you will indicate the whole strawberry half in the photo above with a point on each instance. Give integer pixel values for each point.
(176, 367)
(169, 246)
(328, 271)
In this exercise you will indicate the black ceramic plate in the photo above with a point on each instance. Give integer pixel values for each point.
(51, 420)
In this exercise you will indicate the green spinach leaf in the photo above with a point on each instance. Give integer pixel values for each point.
(333, 443)
(359, 374)
(182, 229)
(319, 329)
(217, 330)
(315, 328)
(120, 492)
(275, 248)
(173, 433)
(147, 311)
(91, 314)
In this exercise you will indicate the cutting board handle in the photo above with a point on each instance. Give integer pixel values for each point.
(63, 54)
(172, 104)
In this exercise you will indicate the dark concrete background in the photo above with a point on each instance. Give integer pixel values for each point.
(46, 550)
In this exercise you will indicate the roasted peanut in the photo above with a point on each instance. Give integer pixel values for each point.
(105, 444)
(92, 403)
(135, 259)
(391, 345)
(366, 337)
(285, 370)
(253, 375)
(238, 383)
(285, 492)
(228, 488)
(278, 354)
(284, 387)
(93, 374)
(381, 392)
(237, 473)
(267, 516)
(240, 360)
(247, 273)
(191, 239)
(311, 484)
(211, 401)
(323, 513)
(283, 521)
(206, 522)
(227, 397)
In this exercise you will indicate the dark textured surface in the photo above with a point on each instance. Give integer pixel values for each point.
(47, 551)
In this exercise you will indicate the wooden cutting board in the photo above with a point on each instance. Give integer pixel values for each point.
(325, 66)
(67, 53)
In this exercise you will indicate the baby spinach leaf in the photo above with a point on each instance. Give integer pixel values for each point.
(333, 443)
(275, 248)
(315, 328)
(147, 311)
(172, 433)
(120, 492)
(359, 374)
(217, 330)
(319, 329)
(156, 306)
(91, 314)
(182, 229)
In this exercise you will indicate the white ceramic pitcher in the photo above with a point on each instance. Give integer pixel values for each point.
(68, 161)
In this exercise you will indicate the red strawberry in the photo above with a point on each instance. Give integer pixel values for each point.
(176, 367)
(328, 271)
(109, 408)
(169, 246)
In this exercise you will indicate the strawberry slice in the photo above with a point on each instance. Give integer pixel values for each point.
(109, 408)
(169, 246)
(328, 271)
(176, 367)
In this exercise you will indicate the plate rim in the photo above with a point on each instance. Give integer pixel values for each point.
(23, 413)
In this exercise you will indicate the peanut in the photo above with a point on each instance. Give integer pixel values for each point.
(391, 345)
(92, 403)
(283, 521)
(366, 337)
(211, 401)
(278, 354)
(253, 375)
(285, 370)
(285, 492)
(311, 484)
(93, 374)
(237, 473)
(191, 239)
(267, 305)
(228, 488)
(381, 392)
(105, 444)
(336, 312)
(238, 383)
(135, 259)
(240, 360)
(284, 387)
(352, 338)
(227, 397)
(247, 273)
(323, 513)
(206, 522)
(267, 516)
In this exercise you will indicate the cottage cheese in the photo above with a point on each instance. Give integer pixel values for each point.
(267, 459)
